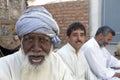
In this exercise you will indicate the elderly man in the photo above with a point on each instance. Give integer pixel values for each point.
(35, 60)
(102, 63)
(71, 55)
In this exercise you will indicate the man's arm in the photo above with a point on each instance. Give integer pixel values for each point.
(118, 68)
(116, 75)
(114, 63)
(97, 65)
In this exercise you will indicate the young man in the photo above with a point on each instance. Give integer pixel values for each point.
(35, 60)
(102, 63)
(71, 55)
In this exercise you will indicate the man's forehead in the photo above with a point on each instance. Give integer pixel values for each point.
(36, 34)
(78, 30)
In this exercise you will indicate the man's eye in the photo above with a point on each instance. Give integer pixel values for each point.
(75, 35)
(28, 38)
(44, 39)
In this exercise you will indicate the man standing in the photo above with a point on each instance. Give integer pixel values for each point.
(102, 63)
(35, 60)
(71, 55)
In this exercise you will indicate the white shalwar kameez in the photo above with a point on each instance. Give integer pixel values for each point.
(100, 60)
(10, 68)
(76, 62)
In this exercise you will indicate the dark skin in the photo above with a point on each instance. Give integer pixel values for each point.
(37, 44)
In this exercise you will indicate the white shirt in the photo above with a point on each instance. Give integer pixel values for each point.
(76, 62)
(11, 64)
(100, 60)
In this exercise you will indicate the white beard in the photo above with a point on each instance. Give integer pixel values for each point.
(35, 72)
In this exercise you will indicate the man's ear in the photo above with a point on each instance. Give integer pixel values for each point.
(19, 38)
(101, 36)
(67, 37)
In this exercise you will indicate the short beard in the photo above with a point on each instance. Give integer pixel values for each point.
(101, 43)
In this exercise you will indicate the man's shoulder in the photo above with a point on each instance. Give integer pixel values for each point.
(54, 56)
(9, 58)
(65, 48)
(8, 65)
(90, 43)
(65, 52)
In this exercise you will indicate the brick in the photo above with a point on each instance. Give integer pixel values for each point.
(67, 12)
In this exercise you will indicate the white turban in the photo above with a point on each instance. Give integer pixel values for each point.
(37, 20)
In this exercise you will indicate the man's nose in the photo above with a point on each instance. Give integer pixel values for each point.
(36, 47)
(79, 37)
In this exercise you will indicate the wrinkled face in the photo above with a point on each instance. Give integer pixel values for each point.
(37, 47)
(77, 38)
(105, 40)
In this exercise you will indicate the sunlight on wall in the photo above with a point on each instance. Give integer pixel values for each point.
(42, 2)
